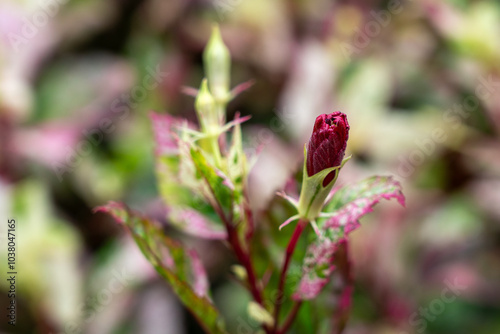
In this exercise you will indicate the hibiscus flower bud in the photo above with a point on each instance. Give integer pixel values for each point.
(206, 111)
(217, 61)
(327, 145)
(324, 157)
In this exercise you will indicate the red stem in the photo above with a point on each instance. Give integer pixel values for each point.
(241, 255)
(288, 256)
(233, 238)
(291, 317)
(245, 260)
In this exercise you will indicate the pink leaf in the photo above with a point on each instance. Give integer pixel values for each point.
(163, 128)
(192, 222)
(183, 269)
(189, 91)
(363, 196)
(349, 205)
(200, 279)
(242, 87)
(159, 249)
(317, 269)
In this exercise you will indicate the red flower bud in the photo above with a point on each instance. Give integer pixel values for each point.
(327, 145)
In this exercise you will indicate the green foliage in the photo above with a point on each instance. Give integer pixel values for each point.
(347, 206)
(202, 180)
(219, 185)
(176, 264)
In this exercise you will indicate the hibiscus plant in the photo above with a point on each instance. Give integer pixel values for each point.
(202, 174)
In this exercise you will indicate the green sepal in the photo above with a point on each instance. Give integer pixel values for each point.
(313, 193)
(206, 111)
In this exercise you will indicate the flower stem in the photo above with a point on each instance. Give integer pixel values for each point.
(291, 317)
(214, 146)
(243, 256)
(288, 256)
(245, 260)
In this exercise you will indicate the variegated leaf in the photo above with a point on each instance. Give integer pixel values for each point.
(179, 266)
(183, 194)
(348, 204)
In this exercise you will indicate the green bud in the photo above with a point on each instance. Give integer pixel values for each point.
(260, 314)
(206, 110)
(239, 272)
(217, 62)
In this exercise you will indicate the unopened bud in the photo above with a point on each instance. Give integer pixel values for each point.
(324, 157)
(217, 61)
(327, 145)
(240, 272)
(205, 109)
(260, 314)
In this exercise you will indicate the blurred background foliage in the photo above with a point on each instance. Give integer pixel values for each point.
(419, 81)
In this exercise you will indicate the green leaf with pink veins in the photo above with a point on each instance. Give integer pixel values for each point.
(349, 204)
(179, 266)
